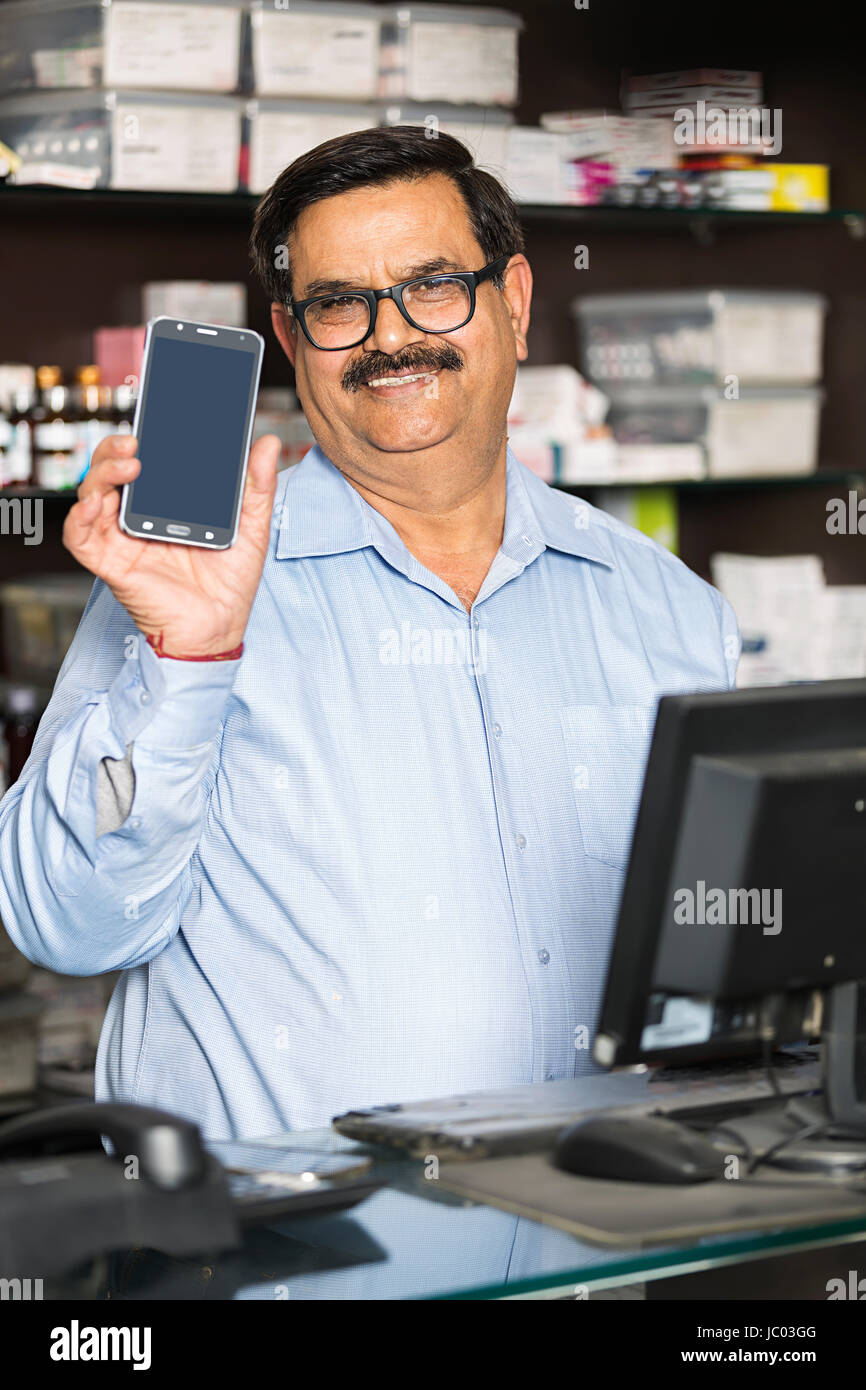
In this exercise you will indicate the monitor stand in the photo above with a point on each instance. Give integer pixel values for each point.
(826, 1134)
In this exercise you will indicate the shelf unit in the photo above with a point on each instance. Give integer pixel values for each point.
(36, 197)
(76, 255)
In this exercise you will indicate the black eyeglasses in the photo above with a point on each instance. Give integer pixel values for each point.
(431, 303)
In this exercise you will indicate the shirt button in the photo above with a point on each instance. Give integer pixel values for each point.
(497, 730)
(544, 956)
(145, 697)
(527, 540)
(476, 623)
(135, 823)
(520, 841)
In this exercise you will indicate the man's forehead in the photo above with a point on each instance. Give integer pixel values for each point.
(408, 226)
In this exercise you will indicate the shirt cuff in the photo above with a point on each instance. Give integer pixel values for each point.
(160, 702)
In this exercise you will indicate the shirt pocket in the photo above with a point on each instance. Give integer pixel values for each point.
(607, 747)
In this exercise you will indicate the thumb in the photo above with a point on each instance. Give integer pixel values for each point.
(259, 489)
(262, 468)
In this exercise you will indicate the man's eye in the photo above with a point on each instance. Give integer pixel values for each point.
(339, 302)
(436, 289)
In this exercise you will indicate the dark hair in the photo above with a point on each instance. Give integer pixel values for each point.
(373, 157)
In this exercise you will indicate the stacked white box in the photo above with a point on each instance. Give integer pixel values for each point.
(148, 141)
(462, 54)
(144, 44)
(316, 48)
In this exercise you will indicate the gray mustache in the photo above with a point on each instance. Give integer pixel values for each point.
(377, 364)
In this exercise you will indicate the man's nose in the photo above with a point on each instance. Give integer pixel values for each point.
(392, 332)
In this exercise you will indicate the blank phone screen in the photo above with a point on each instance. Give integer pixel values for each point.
(192, 432)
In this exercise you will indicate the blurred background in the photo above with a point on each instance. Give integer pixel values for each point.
(693, 189)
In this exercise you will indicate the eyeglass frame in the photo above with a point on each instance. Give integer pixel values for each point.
(471, 279)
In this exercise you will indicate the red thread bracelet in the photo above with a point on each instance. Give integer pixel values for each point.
(156, 644)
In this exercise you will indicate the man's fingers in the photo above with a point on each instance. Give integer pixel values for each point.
(113, 463)
(81, 519)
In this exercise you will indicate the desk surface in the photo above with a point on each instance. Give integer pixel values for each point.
(414, 1240)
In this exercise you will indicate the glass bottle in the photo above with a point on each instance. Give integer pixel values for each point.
(94, 415)
(18, 458)
(124, 408)
(55, 457)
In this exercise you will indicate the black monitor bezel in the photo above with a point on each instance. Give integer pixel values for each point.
(802, 717)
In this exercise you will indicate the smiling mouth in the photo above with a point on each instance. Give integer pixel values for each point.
(399, 380)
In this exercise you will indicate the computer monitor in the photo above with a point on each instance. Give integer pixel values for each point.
(743, 914)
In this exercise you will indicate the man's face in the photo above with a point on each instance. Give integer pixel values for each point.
(370, 238)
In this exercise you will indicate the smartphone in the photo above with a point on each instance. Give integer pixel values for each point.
(193, 423)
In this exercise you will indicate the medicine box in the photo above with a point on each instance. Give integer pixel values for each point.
(545, 167)
(457, 53)
(626, 142)
(193, 46)
(157, 142)
(278, 131)
(315, 48)
(702, 336)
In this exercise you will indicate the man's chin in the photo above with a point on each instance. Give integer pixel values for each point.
(406, 437)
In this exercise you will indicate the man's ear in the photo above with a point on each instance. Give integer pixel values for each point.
(285, 326)
(517, 294)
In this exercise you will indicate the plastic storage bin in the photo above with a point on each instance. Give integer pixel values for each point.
(455, 53)
(758, 336)
(278, 131)
(193, 46)
(315, 48)
(765, 430)
(173, 143)
(484, 130)
(40, 617)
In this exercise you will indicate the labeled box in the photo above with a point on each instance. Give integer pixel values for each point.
(462, 54)
(147, 141)
(315, 48)
(152, 44)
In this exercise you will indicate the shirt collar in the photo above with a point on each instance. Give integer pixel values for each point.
(322, 514)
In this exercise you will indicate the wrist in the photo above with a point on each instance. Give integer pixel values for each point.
(227, 653)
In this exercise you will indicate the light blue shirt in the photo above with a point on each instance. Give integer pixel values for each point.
(379, 857)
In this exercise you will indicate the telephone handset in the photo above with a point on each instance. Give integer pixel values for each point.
(168, 1149)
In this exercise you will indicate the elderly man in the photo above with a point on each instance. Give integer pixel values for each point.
(376, 854)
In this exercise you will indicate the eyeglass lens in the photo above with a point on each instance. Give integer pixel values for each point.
(436, 306)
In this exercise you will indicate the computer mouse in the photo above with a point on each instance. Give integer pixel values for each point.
(637, 1148)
